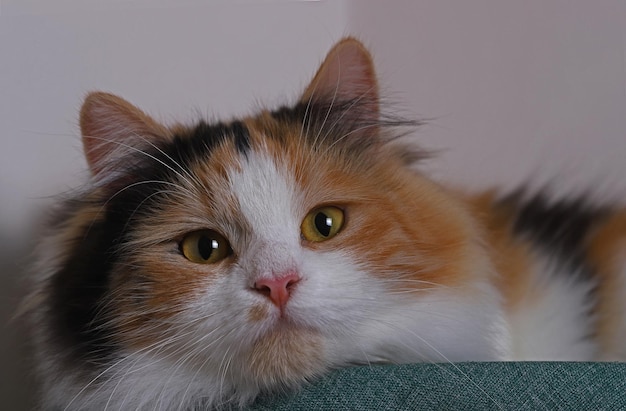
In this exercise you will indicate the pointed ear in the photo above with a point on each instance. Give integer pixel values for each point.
(111, 128)
(347, 75)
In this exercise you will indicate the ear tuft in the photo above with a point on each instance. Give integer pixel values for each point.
(111, 128)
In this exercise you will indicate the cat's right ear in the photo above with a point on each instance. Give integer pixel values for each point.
(112, 128)
(347, 74)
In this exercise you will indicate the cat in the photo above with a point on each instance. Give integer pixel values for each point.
(203, 265)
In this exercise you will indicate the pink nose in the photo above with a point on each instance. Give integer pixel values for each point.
(277, 289)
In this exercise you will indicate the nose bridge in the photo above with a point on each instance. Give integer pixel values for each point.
(267, 197)
(272, 258)
(275, 272)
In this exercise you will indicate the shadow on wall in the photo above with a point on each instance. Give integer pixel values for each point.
(17, 387)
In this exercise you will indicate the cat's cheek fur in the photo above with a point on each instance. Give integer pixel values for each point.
(399, 327)
(212, 351)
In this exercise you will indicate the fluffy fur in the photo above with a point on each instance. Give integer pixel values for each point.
(122, 319)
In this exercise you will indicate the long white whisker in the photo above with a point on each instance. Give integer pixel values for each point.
(445, 358)
(346, 111)
(330, 107)
(182, 169)
(188, 193)
(137, 150)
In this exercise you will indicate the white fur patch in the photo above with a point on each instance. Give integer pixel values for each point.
(442, 326)
(269, 201)
(553, 322)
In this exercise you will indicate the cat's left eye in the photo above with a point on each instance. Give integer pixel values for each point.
(205, 247)
(322, 223)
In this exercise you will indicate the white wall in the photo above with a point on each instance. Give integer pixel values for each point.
(517, 89)
(173, 61)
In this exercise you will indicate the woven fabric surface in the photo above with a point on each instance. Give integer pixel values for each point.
(462, 386)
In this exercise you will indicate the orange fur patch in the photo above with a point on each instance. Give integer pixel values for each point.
(286, 356)
(407, 229)
(258, 312)
(606, 250)
(510, 255)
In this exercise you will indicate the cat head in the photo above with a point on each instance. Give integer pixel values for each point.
(259, 252)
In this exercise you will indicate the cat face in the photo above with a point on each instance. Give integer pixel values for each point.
(207, 246)
(259, 253)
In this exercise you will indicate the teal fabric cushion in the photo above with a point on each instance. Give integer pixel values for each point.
(462, 386)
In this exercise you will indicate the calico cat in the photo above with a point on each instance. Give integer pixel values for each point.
(202, 265)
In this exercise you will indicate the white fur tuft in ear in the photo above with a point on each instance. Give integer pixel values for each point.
(111, 128)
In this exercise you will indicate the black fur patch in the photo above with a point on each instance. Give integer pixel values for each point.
(353, 125)
(77, 292)
(560, 227)
(202, 139)
(326, 122)
(242, 137)
(295, 114)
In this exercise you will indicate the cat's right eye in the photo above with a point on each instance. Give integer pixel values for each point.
(205, 247)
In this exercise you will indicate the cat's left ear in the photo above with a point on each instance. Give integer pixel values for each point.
(347, 75)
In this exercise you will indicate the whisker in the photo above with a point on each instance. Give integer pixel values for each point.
(346, 110)
(330, 107)
(137, 150)
(456, 367)
(138, 183)
(184, 170)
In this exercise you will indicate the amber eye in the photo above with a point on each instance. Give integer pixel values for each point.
(205, 247)
(322, 224)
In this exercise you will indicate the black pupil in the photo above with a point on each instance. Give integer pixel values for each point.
(206, 245)
(323, 224)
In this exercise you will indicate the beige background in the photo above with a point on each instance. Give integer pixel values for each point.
(516, 90)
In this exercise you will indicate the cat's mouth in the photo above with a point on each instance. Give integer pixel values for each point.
(279, 316)
(283, 318)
